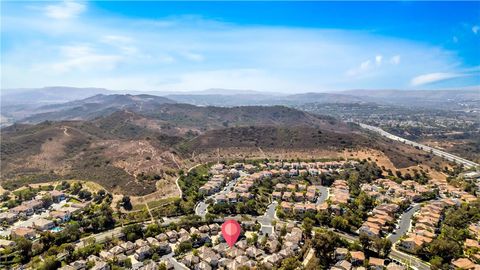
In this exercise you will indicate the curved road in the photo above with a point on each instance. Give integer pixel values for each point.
(202, 206)
(404, 224)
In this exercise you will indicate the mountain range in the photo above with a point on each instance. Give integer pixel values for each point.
(63, 103)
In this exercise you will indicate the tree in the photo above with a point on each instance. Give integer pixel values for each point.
(47, 200)
(126, 203)
(5, 196)
(445, 249)
(183, 247)
(99, 196)
(291, 263)
(85, 194)
(436, 263)
(308, 226)
(340, 223)
(365, 241)
(209, 217)
(162, 266)
(383, 246)
(75, 188)
(24, 246)
(283, 230)
(252, 240)
(152, 230)
(324, 244)
(64, 185)
(323, 217)
(133, 232)
(49, 263)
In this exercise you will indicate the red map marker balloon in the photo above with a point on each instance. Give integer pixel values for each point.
(230, 231)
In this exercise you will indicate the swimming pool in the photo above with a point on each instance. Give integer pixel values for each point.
(56, 229)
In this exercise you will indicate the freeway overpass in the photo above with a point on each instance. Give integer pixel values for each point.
(440, 153)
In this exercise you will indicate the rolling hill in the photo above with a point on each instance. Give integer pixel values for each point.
(95, 106)
(143, 138)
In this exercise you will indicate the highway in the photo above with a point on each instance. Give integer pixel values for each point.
(440, 153)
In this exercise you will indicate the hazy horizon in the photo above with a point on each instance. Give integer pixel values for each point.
(232, 91)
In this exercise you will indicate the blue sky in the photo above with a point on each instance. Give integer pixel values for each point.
(272, 46)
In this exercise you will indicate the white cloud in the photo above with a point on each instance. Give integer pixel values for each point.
(365, 65)
(475, 29)
(370, 65)
(123, 43)
(112, 39)
(65, 10)
(196, 57)
(433, 78)
(395, 60)
(176, 54)
(84, 58)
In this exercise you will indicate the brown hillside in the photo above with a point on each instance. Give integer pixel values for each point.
(133, 153)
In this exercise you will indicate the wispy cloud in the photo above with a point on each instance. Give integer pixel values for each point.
(65, 10)
(395, 59)
(84, 58)
(434, 78)
(475, 29)
(192, 53)
(196, 57)
(373, 65)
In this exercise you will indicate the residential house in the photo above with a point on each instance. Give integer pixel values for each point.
(357, 257)
(464, 263)
(24, 232)
(42, 224)
(142, 253)
(57, 196)
(61, 216)
(128, 247)
(376, 263)
(340, 254)
(8, 217)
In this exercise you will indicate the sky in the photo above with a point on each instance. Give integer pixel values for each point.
(270, 46)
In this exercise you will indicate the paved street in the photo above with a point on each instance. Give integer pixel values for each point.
(101, 237)
(201, 208)
(267, 218)
(323, 194)
(404, 224)
(407, 259)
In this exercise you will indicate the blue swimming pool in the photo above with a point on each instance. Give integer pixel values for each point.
(56, 229)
